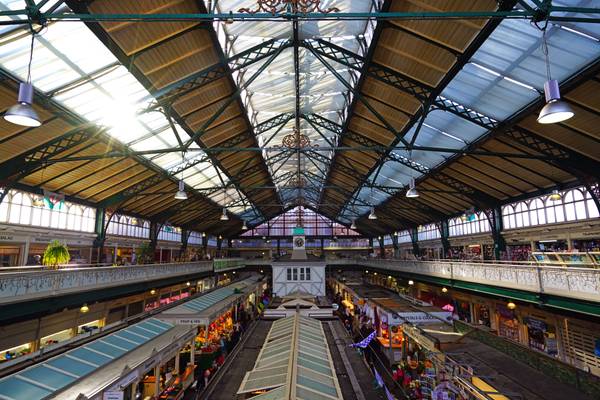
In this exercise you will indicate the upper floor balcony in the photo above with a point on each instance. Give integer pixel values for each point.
(31, 283)
(579, 283)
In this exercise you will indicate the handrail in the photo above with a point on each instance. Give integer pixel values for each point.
(572, 282)
(27, 285)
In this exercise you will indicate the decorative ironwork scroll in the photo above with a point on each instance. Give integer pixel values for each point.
(288, 6)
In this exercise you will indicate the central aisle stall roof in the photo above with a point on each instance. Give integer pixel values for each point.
(43, 380)
(294, 363)
(203, 310)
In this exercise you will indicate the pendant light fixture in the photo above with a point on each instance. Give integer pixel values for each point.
(244, 227)
(224, 216)
(555, 110)
(181, 194)
(22, 113)
(372, 214)
(412, 191)
(555, 196)
(353, 225)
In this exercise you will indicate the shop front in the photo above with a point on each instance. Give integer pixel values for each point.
(507, 323)
(541, 336)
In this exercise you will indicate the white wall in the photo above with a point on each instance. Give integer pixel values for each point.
(315, 286)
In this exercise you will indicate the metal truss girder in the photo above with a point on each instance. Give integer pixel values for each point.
(393, 78)
(564, 158)
(28, 162)
(272, 123)
(481, 199)
(378, 72)
(132, 191)
(323, 123)
(408, 162)
(233, 63)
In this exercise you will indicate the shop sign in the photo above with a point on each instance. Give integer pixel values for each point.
(425, 318)
(189, 321)
(7, 238)
(536, 324)
(113, 395)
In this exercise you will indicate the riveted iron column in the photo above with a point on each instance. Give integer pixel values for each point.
(414, 237)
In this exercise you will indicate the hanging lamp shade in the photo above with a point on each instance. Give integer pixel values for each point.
(244, 227)
(224, 216)
(181, 194)
(372, 214)
(555, 195)
(22, 113)
(555, 110)
(353, 226)
(412, 191)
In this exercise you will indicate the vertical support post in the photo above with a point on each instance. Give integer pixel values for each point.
(204, 244)
(494, 217)
(219, 245)
(185, 236)
(98, 246)
(414, 237)
(444, 228)
(381, 247)
(193, 351)
(154, 231)
(278, 248)
(157, 380)
(395, 244)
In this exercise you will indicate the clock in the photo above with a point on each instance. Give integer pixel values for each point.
(299, 242)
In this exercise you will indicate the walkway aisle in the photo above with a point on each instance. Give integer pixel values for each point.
(230, 382)
(358, 368)
(517, 380)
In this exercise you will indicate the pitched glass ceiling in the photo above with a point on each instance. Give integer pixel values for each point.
(274, 93)
(74, 68)
(502, 77)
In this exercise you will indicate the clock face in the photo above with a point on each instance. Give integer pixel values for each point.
(299, 242)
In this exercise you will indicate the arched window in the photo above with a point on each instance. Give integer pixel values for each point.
(591, 206)
(15, 211)
(124, 225)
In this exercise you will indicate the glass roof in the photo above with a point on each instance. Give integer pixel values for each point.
(274, 92)
(74, 68)
(503, 76)
(313, 377)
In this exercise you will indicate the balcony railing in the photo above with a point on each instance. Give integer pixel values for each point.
(571, 282)
(28, 285)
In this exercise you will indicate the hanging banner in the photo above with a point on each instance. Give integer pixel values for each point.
(365, 342)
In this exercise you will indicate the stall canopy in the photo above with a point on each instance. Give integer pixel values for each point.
(53, 375)
(294, 363)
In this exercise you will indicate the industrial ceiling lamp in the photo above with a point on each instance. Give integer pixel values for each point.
(372, 214)
(555, 109)
(22, 113)
(244, 227)
(555, 196)
(224, 216)
(412, 191)
(353, 226)
(181, 194)
(84, 308)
